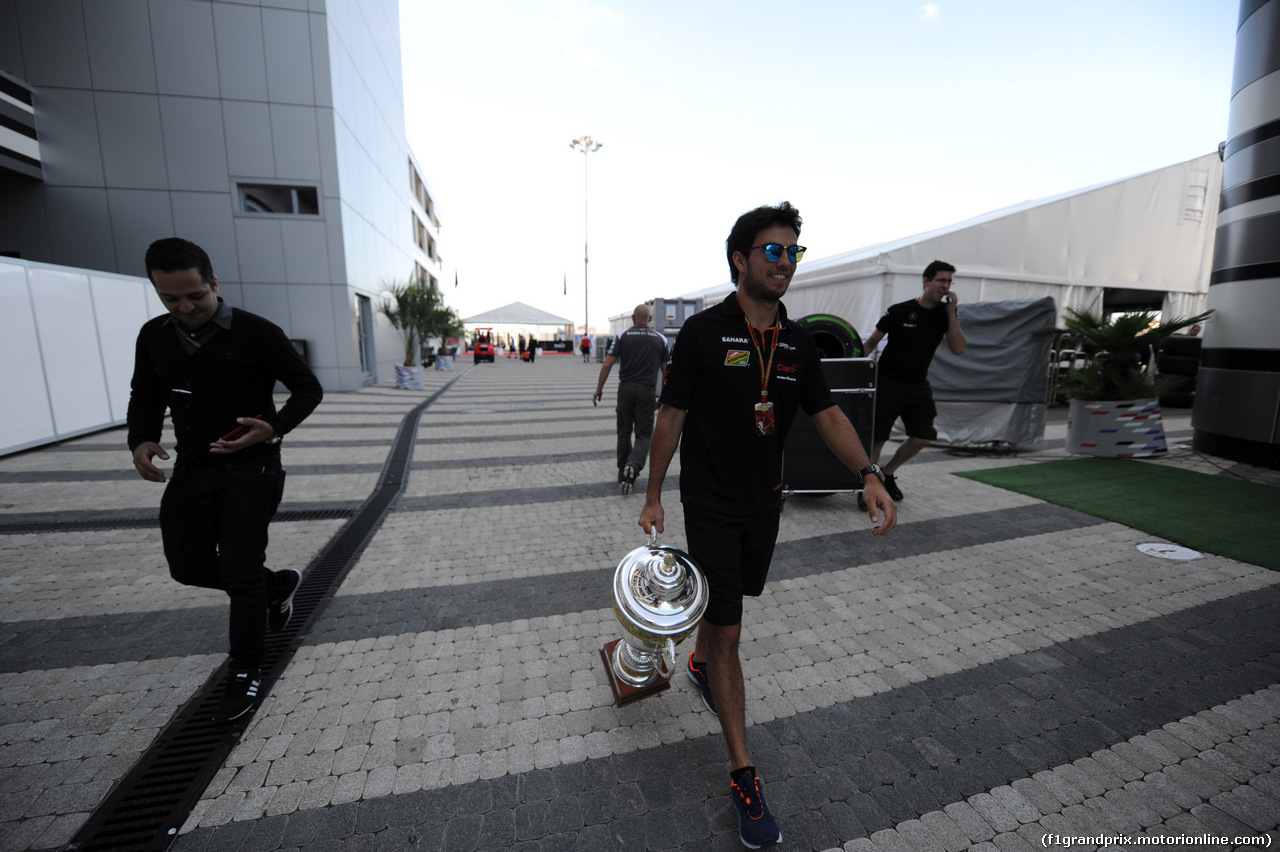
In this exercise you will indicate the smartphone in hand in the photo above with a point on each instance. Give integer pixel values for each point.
(239, 431)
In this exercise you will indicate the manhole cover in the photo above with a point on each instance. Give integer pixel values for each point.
(1169, 551)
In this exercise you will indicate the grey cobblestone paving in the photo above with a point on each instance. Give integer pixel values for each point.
(996, 671)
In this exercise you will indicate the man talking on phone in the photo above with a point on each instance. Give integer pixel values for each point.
(214, 368)
(915, 328)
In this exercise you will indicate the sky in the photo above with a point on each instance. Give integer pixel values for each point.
(878, 119)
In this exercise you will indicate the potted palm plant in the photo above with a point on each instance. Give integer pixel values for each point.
(443, 322)
(407, 307)
(1114, 399)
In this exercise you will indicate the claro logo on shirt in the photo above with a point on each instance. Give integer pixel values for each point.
(737, 358)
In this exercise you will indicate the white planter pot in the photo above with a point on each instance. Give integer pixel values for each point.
(1116, 429)
(408, 378)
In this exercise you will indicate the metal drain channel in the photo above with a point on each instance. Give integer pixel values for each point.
(148, 807)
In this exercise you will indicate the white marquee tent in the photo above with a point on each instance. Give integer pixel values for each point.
(517, 313)
(1151, 232)
(518, 317)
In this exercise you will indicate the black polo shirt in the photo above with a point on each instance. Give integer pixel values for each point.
(714, 375)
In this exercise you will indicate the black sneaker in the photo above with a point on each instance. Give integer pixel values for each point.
(240, 696)
(756, 826)
(281, 609)
(627, 479)
(698, 674)
(891, 485)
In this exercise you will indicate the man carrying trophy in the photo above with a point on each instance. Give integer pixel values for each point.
(736, 377)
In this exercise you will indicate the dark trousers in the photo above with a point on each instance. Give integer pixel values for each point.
(635, 413)
(213, 521)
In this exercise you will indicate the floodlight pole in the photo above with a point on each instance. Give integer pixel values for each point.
(586, 145)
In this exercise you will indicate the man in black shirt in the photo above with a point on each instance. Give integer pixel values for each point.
(643, 352)
(737, 375)
(215, 367)
(915, 329)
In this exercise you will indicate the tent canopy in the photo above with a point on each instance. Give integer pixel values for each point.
(516, 313)
(1152, 232)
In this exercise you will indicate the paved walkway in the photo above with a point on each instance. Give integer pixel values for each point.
(997, 670)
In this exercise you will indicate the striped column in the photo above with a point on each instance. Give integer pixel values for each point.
(1237, 409)
(19, 149)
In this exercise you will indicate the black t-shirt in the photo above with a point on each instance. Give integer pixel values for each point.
(914, 333)
(714, 375)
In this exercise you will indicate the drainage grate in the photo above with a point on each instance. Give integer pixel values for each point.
(148, 807)
(96, 524)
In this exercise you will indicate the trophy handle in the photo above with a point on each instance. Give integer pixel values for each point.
(653, 535)
(667, 659)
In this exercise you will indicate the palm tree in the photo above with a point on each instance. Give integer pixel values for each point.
(407, 307)
(1119, 342)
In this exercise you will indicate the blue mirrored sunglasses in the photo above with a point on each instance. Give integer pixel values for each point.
(773, 251)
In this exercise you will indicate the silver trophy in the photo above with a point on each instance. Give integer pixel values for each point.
(659, 596)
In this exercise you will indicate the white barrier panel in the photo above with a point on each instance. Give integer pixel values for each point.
(66, 350)
(27, 420)
(69, 349)
(121, 307)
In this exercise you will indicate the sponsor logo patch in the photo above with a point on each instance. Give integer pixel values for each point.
(737, 358)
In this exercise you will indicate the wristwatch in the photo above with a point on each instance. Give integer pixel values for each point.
(274, 439)
(872, 469)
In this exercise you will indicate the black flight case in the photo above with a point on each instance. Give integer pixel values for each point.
(808, 465)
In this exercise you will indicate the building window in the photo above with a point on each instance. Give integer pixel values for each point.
(418, 187)
(275, 198)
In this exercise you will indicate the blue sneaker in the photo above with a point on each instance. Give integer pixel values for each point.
(698, 674)
(756, 826)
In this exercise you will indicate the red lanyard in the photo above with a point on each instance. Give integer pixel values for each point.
(765, 368)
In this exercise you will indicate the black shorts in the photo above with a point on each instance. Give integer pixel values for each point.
(912, 402)
(734, 552)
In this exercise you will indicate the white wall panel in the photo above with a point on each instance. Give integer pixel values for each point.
(120, 308)
(63, 306)
(66, 350)
(28, 419)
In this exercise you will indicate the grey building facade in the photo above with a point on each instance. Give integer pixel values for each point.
(271, 132)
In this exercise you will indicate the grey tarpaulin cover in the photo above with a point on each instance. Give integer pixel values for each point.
(996, 390)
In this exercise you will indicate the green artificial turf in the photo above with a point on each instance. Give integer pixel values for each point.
(1215, 514)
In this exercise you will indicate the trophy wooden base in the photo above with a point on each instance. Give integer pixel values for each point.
(625, 693)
